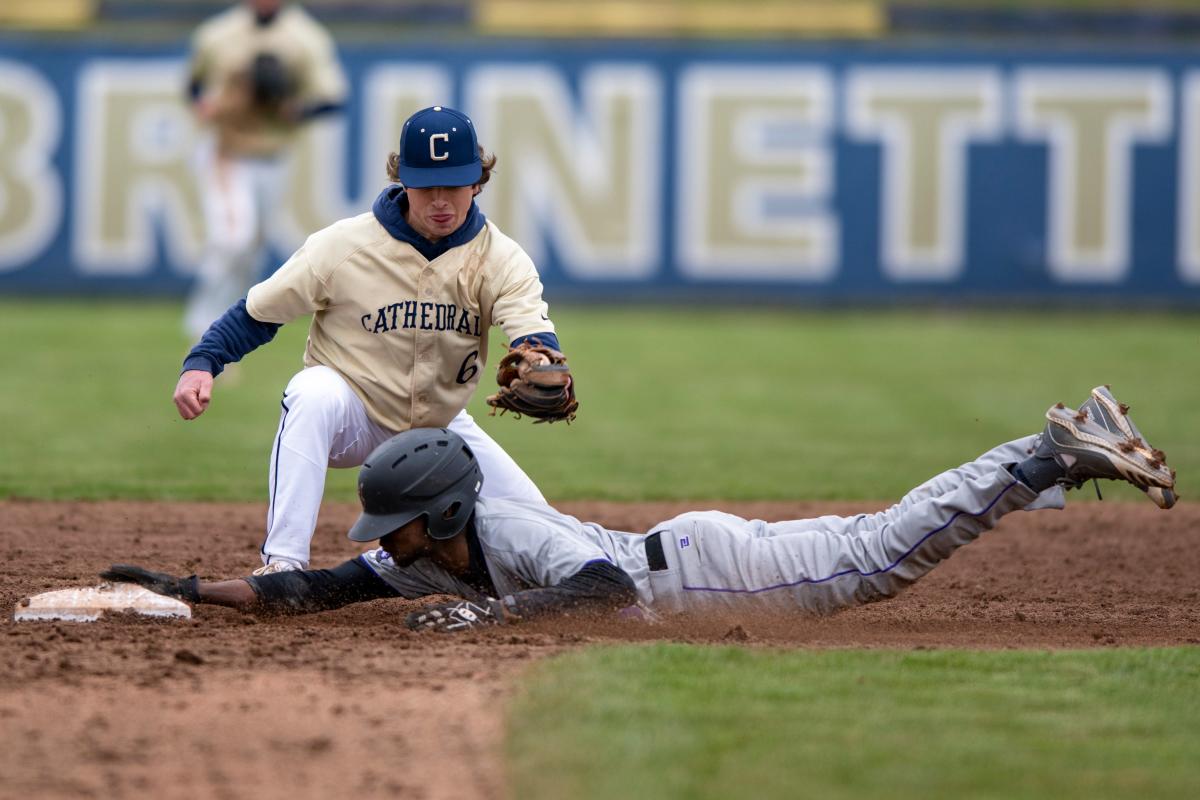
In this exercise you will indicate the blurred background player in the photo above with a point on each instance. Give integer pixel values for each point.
(402, 299)
(257, 73)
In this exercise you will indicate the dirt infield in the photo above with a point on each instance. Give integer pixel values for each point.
(349, 702)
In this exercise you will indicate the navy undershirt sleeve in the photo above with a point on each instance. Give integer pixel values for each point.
(320, 109)
(310, 590)
(546, 339)
(229, 339)
(598, 586)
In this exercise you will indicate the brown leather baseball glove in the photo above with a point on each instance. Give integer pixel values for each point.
(535, 380)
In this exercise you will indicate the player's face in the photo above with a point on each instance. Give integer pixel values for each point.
(438, 212)
(408, 543)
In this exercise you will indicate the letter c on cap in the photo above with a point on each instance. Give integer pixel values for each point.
(433, 153)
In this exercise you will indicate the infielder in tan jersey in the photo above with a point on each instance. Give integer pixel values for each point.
(402, 299)
(257, 73)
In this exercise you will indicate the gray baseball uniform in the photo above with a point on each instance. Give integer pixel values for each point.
(709, 559)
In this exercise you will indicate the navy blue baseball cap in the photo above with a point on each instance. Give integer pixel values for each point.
(438, 148)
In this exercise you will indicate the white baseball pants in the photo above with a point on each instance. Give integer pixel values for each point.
(324, 424)
(239, 196)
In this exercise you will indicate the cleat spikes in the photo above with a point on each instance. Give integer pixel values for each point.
(1098, 442)
(1113, 416)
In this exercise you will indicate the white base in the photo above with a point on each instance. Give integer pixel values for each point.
(89, 603)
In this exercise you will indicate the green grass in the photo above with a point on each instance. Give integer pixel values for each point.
(670, 721)
(676, 403)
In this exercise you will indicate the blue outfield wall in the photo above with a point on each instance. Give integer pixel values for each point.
(859, 172)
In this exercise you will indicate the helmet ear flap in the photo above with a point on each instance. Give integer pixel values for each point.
(459, 506)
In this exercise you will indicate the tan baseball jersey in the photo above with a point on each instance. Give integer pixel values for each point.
(223, 50)
(408, 335)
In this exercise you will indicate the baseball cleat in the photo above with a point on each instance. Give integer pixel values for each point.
(1113, 415)
(277, 566)
(1086, 449)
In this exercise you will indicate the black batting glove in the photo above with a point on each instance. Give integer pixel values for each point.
(187, 589)
(452, 617)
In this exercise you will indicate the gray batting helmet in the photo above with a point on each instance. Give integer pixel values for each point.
(427, 472)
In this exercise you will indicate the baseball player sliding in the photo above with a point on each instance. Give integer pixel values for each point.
(257, 73)
(514, 559)
(402, 299)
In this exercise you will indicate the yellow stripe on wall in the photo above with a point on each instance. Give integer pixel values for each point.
(858, 18)
(56, 14)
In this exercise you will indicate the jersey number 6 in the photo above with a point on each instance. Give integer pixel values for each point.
(468, 368)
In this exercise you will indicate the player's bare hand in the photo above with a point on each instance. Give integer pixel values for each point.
(193, 393)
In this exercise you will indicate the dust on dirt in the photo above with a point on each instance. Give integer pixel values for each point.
(349, 703)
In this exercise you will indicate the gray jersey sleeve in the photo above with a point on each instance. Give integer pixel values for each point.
(533, 546)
